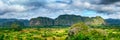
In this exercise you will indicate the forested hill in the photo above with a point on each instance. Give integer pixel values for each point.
(62, 20)
(66, 20)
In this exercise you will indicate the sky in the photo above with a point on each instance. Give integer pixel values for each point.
(27, 9)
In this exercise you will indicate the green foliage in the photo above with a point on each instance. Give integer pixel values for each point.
(15, 26)
(91, 35)
(1, 36)
(80, 36)
(87, 33)
(47, 34)
(61, 33)
(95, 33)
(97, 21)
(34, 34)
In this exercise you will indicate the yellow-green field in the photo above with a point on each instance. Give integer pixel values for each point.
(35, 34)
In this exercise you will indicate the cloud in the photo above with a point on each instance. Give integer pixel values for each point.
(109, 1)
(6, 8)
(115, 16)
(50, 8)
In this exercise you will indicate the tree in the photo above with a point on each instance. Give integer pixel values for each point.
(15, 26)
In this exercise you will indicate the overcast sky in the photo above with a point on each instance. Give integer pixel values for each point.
(27, 9)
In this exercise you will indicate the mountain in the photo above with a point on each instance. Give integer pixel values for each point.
(62, 20)
(41, 21)
(113, 21)
(66, 20)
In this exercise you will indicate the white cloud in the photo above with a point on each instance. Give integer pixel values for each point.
(17, 8)
(115, 16)
(35, 8)
(57, 5)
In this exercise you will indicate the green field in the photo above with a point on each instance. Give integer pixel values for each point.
(34, 34)
(56, 33)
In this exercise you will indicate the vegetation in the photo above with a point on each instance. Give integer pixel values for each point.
(15, 27)
(79, 31)
(53, 33)
(95, 33)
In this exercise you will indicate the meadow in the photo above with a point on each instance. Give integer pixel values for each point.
(57, 33)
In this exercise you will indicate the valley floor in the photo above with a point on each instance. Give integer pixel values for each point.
(48, 34)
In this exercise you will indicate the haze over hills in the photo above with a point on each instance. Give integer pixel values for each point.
(113, 21)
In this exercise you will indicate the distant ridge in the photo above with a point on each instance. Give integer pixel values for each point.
(8, 22)
(62, 20)
(113, 21)
(66, 20)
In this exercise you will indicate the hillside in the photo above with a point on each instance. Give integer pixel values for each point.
(41, 21)
(66, 20)
(62, 20)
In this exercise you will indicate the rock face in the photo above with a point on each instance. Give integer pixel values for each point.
(41, 21)
(66, 20)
